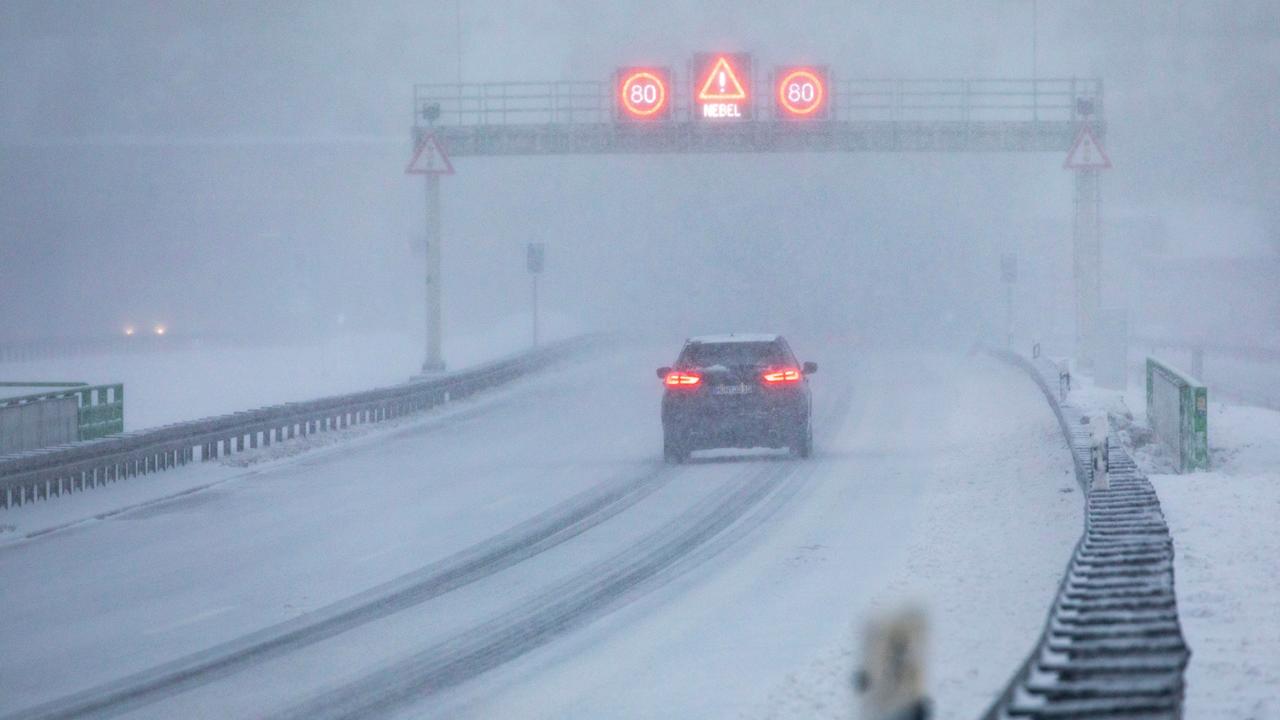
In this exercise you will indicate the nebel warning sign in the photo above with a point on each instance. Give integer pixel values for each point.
(722, 86)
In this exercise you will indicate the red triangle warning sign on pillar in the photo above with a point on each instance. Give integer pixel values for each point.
(429, 158)
(1086, 153)
(722, 84)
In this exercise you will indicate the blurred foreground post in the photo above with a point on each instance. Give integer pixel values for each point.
(891, 679)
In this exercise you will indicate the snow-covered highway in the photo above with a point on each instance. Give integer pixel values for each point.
(530, 555)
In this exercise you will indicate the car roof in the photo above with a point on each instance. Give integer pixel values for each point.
(735, 338)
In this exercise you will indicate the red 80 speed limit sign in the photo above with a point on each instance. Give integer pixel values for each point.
(802, 92)
(643, 93)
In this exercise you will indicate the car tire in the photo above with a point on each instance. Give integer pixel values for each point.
(803, 446)
(672, 450)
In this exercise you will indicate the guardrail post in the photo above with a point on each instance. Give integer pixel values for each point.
(1100, 452)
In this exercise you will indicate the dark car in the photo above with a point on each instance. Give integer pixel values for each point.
(736, 391)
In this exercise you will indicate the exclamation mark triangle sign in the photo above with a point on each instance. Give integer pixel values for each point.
(721, 84)
(1086, 153)
(429, 159)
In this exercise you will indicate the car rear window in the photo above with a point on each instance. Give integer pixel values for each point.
(732, 354)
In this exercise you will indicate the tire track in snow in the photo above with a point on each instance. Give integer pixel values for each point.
(586, 596)
(527, 539)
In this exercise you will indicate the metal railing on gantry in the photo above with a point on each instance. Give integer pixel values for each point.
(989, 114)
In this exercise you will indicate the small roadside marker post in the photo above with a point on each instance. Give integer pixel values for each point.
(1009, 274)
(430, 160)
(535, 261)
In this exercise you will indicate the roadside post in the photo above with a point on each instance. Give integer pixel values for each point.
(1087, 158)
(1009, 274)
(535, 260)
(430, 160)
(1099, 452)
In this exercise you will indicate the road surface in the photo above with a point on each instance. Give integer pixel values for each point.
(534, 557)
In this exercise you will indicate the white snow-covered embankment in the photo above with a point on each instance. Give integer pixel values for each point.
(1224, 524)
(1227, 565)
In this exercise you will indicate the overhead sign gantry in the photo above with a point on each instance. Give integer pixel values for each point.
(720, 106)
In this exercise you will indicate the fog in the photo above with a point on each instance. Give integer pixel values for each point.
(205, 209)
(237, 171)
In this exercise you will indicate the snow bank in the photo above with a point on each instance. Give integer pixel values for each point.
(999, 516)
(1227, 567)
(34, 519)
(1227, 550)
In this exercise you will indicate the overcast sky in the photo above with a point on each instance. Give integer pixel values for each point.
(152, 166)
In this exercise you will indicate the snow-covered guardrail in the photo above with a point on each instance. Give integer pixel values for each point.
(50, 472)
(1112, 645)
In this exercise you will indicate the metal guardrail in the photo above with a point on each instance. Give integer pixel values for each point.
(1112, 646)
(41, 474)
(101, 407)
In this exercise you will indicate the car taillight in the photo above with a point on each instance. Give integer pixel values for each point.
(680, 379)
(781, 376)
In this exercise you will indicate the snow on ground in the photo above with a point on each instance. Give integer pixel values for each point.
(943, 482)
(165, 387)
(198, 381)
(1225, 525)
(999, 515)
(144, 586)
(41, 517)
(948, 487)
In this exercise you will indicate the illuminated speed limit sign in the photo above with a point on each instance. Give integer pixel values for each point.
(644, 93)
(801, 92)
